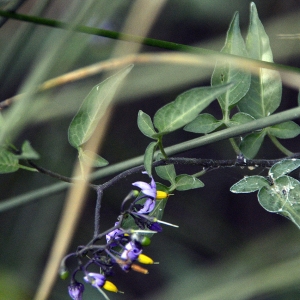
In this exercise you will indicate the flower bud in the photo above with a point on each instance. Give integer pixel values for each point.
(64, 274)
(76, 290)
(139, 269)
(145, 241)
(144, 259)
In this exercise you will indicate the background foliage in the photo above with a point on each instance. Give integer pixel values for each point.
(227, 245)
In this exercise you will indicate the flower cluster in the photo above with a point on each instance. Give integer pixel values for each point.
(124, 242)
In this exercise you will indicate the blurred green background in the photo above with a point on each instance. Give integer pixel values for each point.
(226, 246)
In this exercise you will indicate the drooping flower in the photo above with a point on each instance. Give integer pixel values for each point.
(150, 191)
(132, 251)
(115, 234)
(99, 281)
(147, 189)
(76, 290)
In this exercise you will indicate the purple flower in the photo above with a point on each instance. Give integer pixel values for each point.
(148, 190)
(95, 279)
(76, 290)
(99, 281)
(131, 251)
(115, 234)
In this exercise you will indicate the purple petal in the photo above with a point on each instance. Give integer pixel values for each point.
(131, 252)
(95, 279)
(153, 184)
(148, 206)
(155, 227)
(146, 188)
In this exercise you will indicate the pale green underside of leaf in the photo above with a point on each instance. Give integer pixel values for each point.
(282, 198)
(92, 159)
(204, 123)
(225, 72)
(264, 95)
(251, 143)
(284, 167)
(145, 124)
(286, 130)
(93, 108)
(166, 172)
(186, 182)
(185, 108)
(148, 157)
(8, 162)
(249, 184)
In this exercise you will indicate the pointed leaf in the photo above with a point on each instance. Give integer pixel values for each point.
(225, 72)
(286, 130)
(251, 143)
(93, 159)
(264, 95)
(166, 172)
(284, 167)
(204, 123)
(240, 118)
(187, 182)
(249, 184)
(8, 162)
(93, 108)
(145, 124)
(148, 157)
(28, 152)
(186, 107)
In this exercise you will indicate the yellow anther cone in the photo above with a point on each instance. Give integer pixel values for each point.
(161, 195)
(144, 259)
(109, 286)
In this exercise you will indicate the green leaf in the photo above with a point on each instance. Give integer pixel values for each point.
(145, 124)
(8, 162)
(239, 119)
(93, 108)
(224, 72)
(159, 209)
(128, 223)
(166, 172)
(93, 159)
(249, 184)
(148, 157)
(282, 198)
(186, 182)
(162, 187)
(264, 95)
(186, 107)
(286, 130)
(251, 143)
(28, 152)
(284, 167)
(204, 123)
